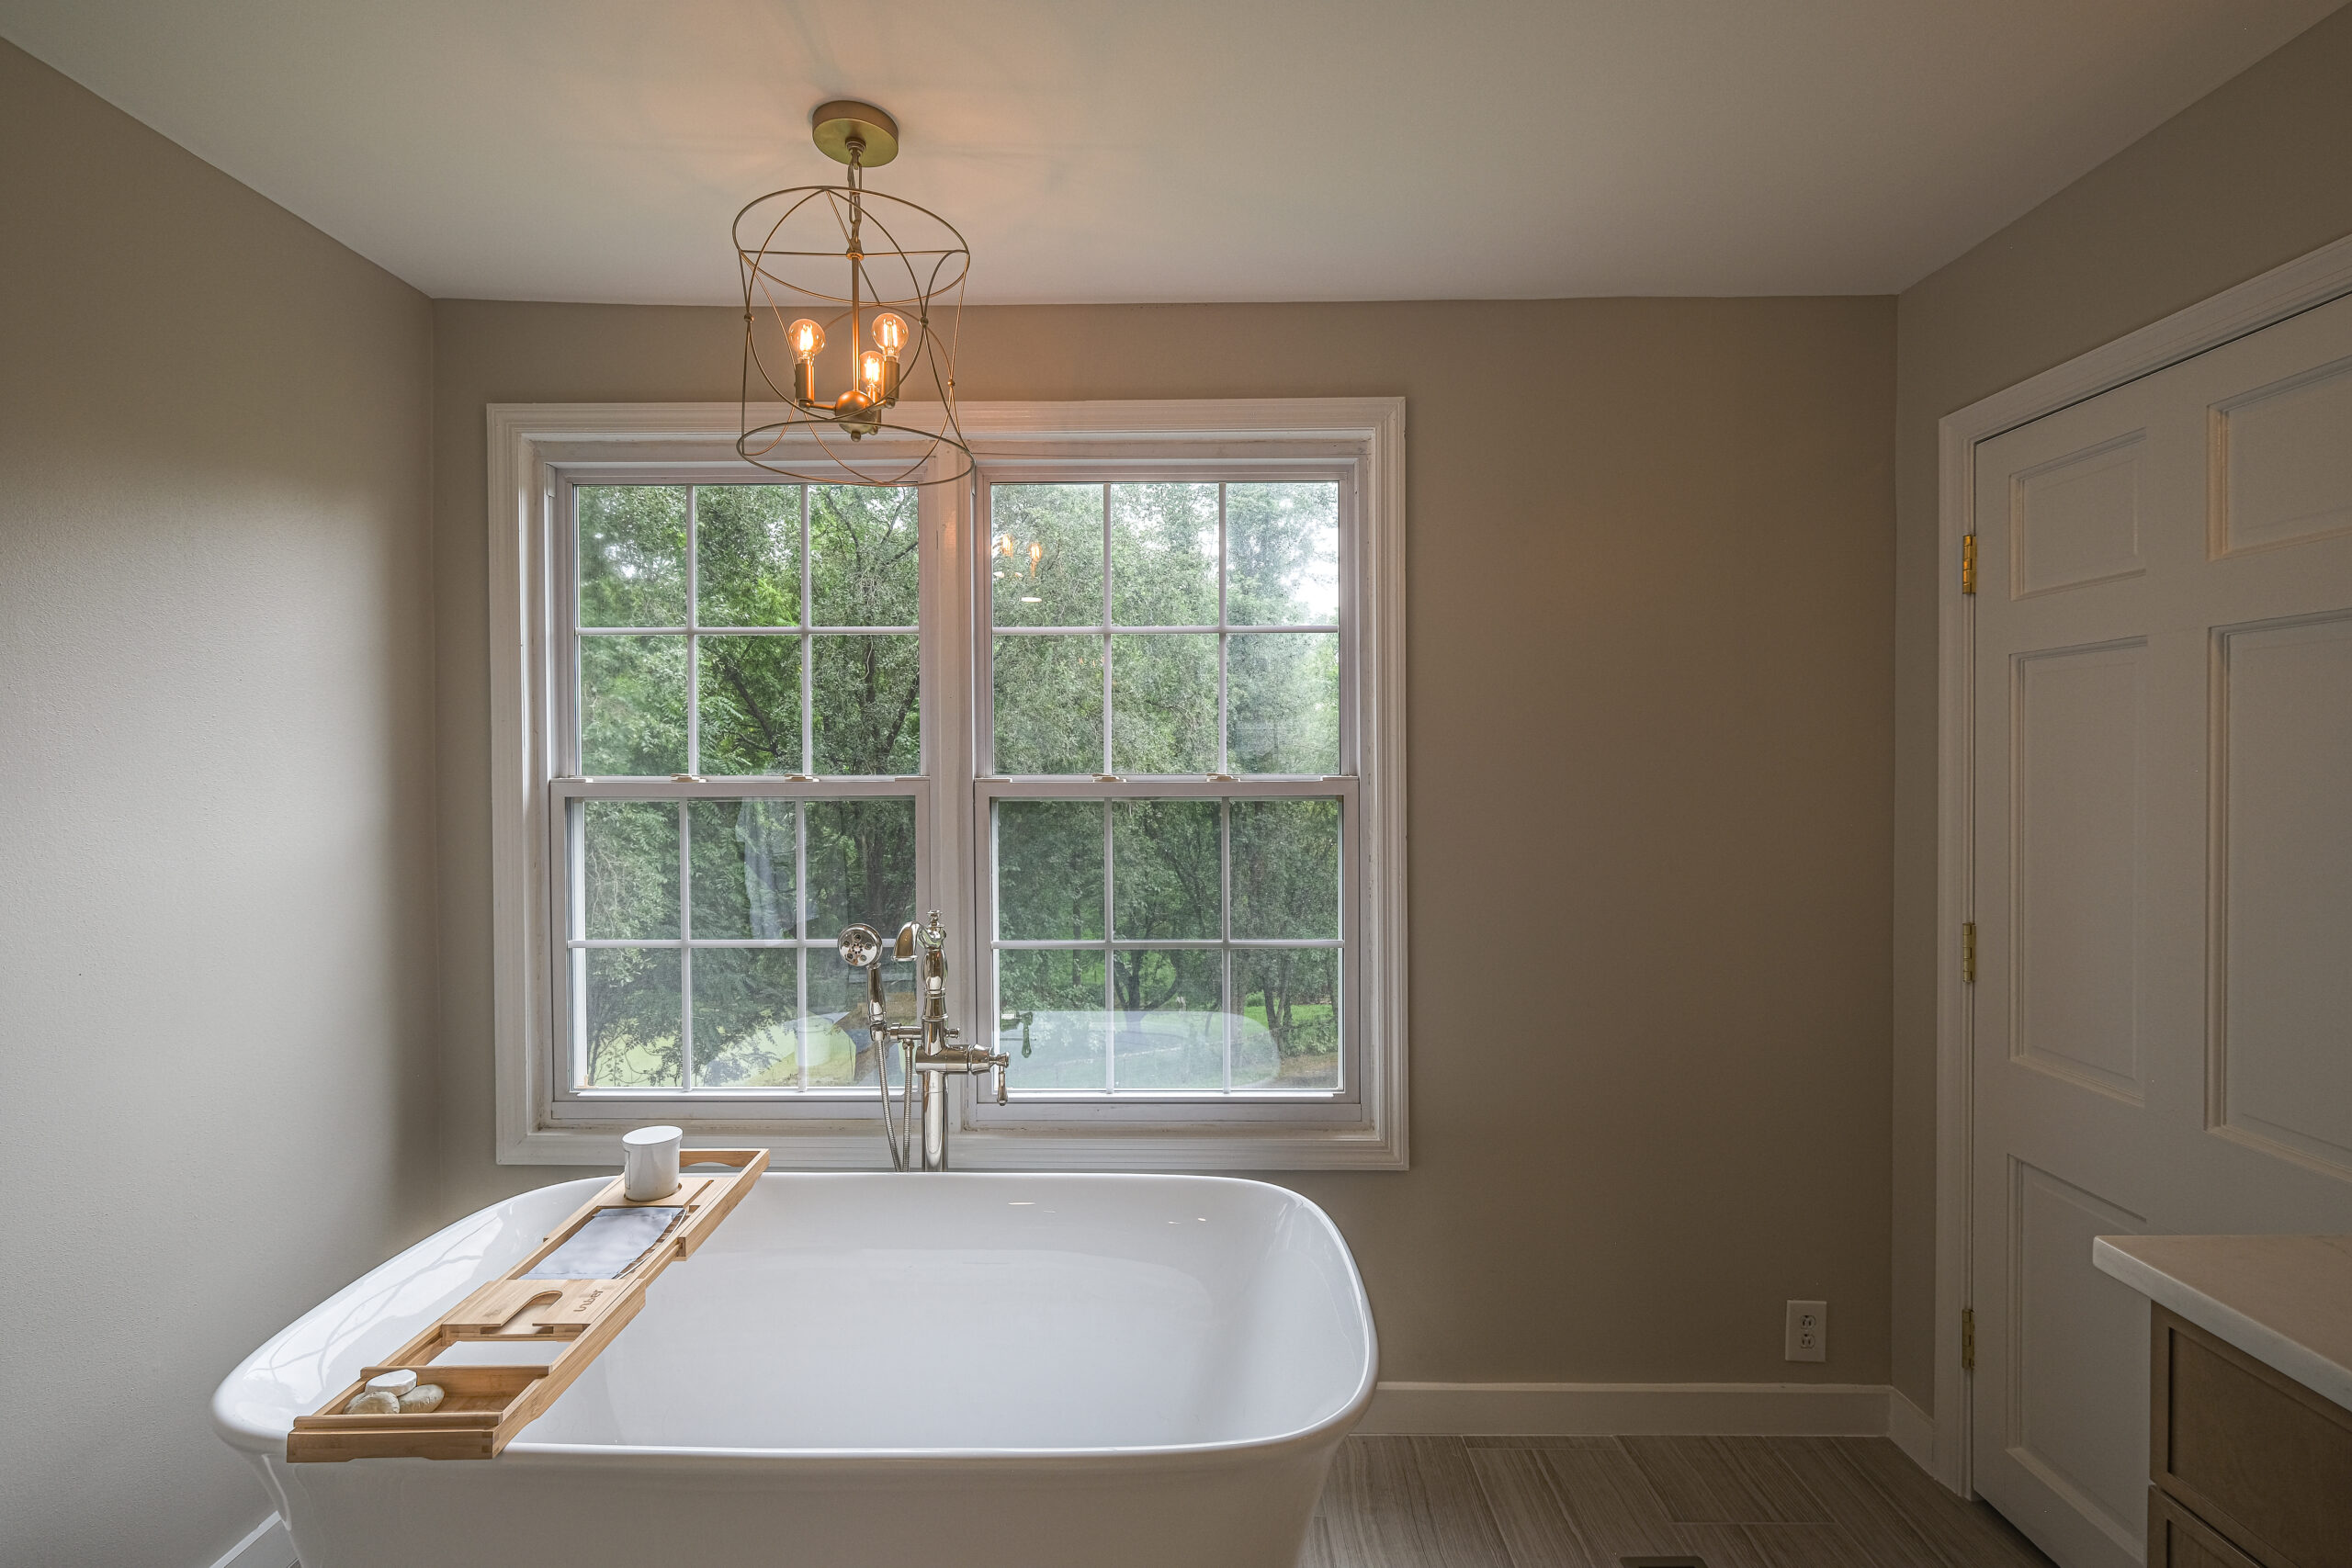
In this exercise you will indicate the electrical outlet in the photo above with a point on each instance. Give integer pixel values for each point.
(1806, 1337)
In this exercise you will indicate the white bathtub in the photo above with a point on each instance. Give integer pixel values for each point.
(976, 1370)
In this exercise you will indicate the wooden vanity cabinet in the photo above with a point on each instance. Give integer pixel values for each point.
(2247, 1468)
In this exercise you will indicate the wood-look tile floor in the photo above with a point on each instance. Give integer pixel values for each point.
(1587, 1502)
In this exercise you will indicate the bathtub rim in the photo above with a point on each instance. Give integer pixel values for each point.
(268, 1441)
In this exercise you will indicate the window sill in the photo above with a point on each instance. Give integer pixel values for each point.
(1349, 1147)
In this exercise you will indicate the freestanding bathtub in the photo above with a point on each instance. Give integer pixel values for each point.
(874, 1371)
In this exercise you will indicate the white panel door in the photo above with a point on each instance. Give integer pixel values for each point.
(2163, 881)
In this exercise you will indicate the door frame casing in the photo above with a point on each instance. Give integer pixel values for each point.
(2300, 285)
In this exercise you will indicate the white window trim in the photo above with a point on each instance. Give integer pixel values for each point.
(528, 441)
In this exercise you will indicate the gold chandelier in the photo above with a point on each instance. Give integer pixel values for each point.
(861, 264)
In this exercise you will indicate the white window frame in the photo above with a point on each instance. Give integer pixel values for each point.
(534, 448)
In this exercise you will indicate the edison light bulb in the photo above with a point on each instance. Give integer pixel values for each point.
(806, 338)
(869, 368)
(889, 332)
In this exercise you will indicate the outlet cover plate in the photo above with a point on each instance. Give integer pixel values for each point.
(1806, 1335)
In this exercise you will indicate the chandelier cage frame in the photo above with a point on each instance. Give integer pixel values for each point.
(781, 282)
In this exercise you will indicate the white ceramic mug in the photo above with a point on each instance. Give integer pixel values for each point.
(650, 1163)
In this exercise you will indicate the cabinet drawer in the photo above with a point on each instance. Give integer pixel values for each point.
(2178, 1539)
(2252, 1454)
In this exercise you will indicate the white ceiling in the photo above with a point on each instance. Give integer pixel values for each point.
(1122, 150)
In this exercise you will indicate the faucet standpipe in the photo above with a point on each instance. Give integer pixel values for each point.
(929, 1051)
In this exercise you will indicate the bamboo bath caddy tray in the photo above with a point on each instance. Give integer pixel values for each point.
(484, 1406)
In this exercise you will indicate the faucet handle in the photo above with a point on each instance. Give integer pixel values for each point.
(997, 1065)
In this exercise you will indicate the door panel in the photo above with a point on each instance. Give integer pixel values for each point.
(2282, 1044)
(2074, 930)
(2162, 1023)
(2076, 519)
(2284, 461)
(2079, 1350)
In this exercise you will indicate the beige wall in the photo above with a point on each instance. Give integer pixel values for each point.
(216, 962)
(1648, 684)
(2255, 173)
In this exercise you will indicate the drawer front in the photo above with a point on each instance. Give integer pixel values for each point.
(2255, 1456)
(2178, 1539)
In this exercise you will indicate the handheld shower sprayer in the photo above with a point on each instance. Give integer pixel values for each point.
(861, 948)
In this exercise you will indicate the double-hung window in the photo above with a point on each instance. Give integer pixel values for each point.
(1168, 793)
(739, 725)
(1125, 704)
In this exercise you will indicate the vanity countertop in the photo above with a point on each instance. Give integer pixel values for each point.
(2284, 1300)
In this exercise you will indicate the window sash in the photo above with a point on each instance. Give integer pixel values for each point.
(1105, 472)
(573, 638)
(573, 1101)
(1048, 1107)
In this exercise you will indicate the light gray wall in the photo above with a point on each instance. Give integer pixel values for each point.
(216, 837)
(2258, 173)
(1649, 691)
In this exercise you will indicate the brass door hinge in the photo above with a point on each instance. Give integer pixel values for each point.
(1968, 563)
(1968, 1340)
(1968, 953)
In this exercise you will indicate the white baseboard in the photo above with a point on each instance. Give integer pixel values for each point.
(1578, 1409)
(266, 1545)
(1913, 1431)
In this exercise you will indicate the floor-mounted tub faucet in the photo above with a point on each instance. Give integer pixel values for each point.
(927, 1050)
